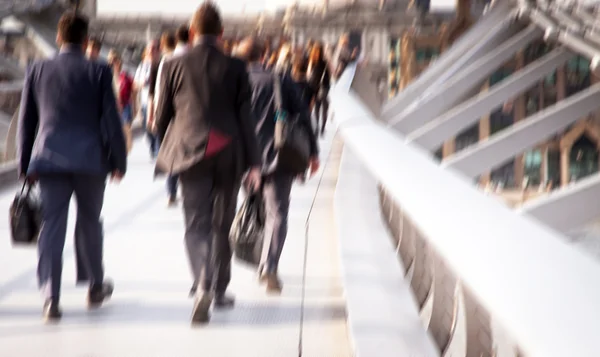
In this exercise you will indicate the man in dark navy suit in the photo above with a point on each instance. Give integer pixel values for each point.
(70, 140)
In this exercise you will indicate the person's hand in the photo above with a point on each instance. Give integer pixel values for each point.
(314, 166)
(150, 125)
(253, 179)
(116, 176)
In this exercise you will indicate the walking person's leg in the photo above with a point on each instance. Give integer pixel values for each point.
(89, 193)
(276, 193)
(325, 114)
(197, 197)
(55, 194)
(81, 270)
(127, 120)
(225, 209)
(317, 114)
(172, 189)
(152, 140)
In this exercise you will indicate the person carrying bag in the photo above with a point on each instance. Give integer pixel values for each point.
(292, 139)
(248, 229)
(25, 217)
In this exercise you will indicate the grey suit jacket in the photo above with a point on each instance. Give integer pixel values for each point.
(68, 120)
(204, 91)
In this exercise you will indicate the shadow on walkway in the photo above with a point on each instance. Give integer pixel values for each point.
(121, 313)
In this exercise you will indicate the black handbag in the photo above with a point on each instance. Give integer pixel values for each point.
(25, 217)
(292, 138)
(247, 231)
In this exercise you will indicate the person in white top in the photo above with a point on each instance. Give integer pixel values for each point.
(181, 47)
(167, 47)
(142, 87)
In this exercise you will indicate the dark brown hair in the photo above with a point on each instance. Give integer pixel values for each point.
(207, 20)
(73, 28)
(167, 40)
(316, 53)
(183, 34)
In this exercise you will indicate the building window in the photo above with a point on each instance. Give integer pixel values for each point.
(536, 50)
(467, 138)
(583, 159)
(542, 95)
(578, 75)
(499, 76)
(439, 154)
(394, 58)
(501, 118)
(426, 54)
(504, 176)
(532, 162)
(553, 168)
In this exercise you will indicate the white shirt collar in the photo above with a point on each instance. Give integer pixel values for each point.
(180, 49)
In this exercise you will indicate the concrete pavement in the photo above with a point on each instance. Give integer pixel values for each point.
(149, 313)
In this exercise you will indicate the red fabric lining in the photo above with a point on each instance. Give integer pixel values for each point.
(216, 143)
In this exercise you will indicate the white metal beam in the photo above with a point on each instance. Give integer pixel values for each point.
(478, 40)
(503, 146)
(569, 208)
(435, 133)
(454, 91)
(513, 265)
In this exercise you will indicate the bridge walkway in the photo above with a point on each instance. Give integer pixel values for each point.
(150, 310)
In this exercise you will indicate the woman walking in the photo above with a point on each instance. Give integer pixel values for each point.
(320, 80)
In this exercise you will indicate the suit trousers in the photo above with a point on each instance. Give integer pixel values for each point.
(277, 188)
(128, 136)
(172, 181)
(56, 191)
(322, 112)
(209, 206)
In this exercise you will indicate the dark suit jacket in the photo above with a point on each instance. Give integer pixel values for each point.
(263, 107)
(204, 92)
(69, 121)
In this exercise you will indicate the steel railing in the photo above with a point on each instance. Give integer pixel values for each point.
(478, 260)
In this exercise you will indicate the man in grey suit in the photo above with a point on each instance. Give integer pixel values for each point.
(70, 140)
(204, 121)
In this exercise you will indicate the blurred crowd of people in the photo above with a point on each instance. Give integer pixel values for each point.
(209, 108)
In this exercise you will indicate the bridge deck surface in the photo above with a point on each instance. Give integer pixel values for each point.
(150, 310)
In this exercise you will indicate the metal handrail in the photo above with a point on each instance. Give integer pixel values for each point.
(541, 289)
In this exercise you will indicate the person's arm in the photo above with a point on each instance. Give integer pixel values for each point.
(157, 80)
(354, 54)
(326, 76)
(117, 90)
(111, 125)
(137, 78)
(151, 92)
(165, 110)
(246, 118)
(312, 94)
(27, 123)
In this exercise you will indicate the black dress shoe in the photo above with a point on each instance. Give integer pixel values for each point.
(224, 301)
(99, 293)
(52, 311)
(201, 311)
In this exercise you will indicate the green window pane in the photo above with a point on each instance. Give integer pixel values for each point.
(550, 79)
(584, 65)
(573, 64)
